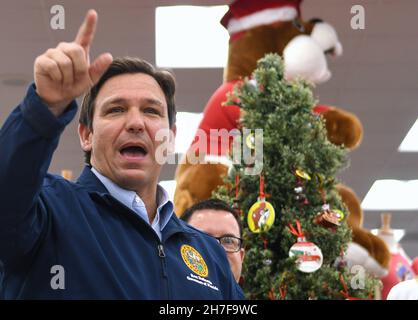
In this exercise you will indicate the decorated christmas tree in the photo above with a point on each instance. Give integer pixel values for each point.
(295, 230)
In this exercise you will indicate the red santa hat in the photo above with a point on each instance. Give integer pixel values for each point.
(246, 14)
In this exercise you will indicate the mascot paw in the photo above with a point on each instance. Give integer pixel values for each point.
(343, 127)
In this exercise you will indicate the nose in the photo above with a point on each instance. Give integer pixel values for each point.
(135, 122)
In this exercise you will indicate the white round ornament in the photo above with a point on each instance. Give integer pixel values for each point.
(309, 255)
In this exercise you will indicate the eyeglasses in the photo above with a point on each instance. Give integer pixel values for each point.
(230, 243)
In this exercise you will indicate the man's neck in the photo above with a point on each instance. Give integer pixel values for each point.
(149, 197)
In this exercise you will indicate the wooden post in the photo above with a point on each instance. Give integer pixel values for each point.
(386, 228)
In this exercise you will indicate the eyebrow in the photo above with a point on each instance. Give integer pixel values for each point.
(229, 235)
(120, 100)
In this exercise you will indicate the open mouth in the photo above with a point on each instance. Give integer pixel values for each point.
(133, 152)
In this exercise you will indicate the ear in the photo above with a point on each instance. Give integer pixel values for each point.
(172, 139)
(242, 254)
(85, 135)
(174, 130)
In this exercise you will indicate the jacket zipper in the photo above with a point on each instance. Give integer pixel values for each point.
(161, 254)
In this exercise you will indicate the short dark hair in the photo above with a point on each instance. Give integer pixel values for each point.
(212, 204)
(129, 65)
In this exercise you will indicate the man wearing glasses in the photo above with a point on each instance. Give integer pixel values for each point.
(218, 219)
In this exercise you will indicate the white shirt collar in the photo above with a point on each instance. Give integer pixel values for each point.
(134, 202)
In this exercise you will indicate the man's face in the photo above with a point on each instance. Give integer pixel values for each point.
(219, 223)
(129, 110)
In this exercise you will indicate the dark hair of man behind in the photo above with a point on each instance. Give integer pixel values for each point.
(126, 65)
(212, 204)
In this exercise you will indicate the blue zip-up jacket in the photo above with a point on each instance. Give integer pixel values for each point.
(64, 240)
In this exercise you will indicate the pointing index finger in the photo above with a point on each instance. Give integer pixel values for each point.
(86, 32)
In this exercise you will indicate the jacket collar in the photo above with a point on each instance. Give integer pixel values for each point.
(88, 180)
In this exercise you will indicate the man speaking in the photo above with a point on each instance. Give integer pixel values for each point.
(112, 234)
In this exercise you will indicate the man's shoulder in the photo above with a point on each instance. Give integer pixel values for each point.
(56, 188)
(54, 181)
(200, 237)
(196, 232)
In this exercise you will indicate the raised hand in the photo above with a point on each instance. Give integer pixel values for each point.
(65, 72)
